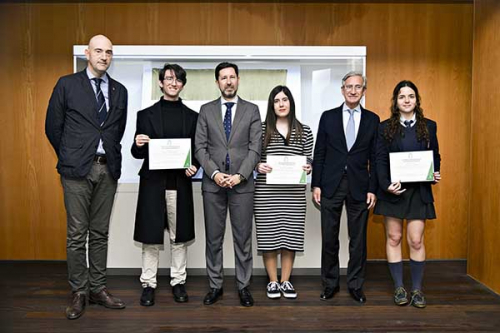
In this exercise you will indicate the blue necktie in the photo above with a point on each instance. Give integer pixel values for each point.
(102, 111)
(227, 128)
(350, 134)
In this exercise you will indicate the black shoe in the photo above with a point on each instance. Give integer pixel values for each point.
(77, 306)
(180, 294)
(213, 296)
(328, 293)
(148, 296)
(418, 299)
(357, 295)
(245, 297)
(400, 296)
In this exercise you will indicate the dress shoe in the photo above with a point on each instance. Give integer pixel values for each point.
(148, 296)
(358, 295)
(245, 297)
(213, 296)
(328, 293)
(418, 299)
(400, 296)
(105, 299)
(180, 294)
(77, 306)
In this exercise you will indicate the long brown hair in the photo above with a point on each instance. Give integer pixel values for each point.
(393, 127)
(271, 117)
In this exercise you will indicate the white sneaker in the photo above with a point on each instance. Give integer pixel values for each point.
(273, 290)
(288, 290)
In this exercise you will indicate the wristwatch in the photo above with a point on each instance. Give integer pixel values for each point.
(242, 178)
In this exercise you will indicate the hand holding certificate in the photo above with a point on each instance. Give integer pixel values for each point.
(169, 154)
(286, 170)
(412, 166)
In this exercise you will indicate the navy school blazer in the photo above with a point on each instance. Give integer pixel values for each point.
(383, 171)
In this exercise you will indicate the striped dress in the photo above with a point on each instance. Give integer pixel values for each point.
(280, 210)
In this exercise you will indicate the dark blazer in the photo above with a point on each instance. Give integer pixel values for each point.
(151, 215)
(383, 170)
(74, 131)
(243, 147)
(331, 155)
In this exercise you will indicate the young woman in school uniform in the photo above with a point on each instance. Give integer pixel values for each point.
(406, 130)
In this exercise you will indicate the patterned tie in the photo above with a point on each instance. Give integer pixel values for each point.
(227, 128)
(102, 111)
(350, 134)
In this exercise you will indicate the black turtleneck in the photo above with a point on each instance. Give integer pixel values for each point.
(171, 115)
(172, 123)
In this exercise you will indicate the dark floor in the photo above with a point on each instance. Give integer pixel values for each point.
(34, 296)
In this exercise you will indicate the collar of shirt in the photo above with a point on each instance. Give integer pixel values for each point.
(91, 76)
(223, 101)
(345, 108)
(402, 120)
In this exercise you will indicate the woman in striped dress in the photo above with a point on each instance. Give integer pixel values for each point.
(280, 210)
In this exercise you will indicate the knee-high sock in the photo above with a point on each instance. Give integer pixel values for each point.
(417, 274)
(396, 269)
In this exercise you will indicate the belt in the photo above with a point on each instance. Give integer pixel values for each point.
(100, 159)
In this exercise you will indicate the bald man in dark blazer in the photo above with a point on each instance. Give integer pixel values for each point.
(85, 123)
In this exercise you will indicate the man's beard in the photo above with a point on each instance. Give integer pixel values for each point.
(229, 96)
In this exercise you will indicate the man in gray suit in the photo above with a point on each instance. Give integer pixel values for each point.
(228, 144)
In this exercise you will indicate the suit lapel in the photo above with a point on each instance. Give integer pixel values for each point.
(240, 112)
(156, 120)
(363, 126)
(340, 129)
(113, 98)
(90, 99)
(217, 114)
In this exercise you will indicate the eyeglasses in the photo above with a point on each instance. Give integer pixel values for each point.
(351, 87)
(171, 79)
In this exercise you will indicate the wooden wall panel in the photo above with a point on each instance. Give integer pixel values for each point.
(427, 43)
(484, 227)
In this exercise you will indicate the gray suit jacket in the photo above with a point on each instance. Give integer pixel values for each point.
(244, 145)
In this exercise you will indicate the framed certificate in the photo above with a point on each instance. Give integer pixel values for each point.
(287, 170)
(412, 166)
(169, 154)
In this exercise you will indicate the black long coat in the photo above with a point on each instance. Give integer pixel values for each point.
(151, 214)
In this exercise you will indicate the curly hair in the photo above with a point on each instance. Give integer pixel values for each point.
(393, 127)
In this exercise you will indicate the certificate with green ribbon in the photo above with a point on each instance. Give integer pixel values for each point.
(169, 154)
(287, 170)
(412, 166)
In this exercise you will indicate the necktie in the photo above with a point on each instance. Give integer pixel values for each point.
(102, 111)
(408, 123)
(350, 134)
(227, 128)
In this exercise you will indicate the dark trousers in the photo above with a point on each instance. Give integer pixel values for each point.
(357, 217)
(88, 204)
(241, 212)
